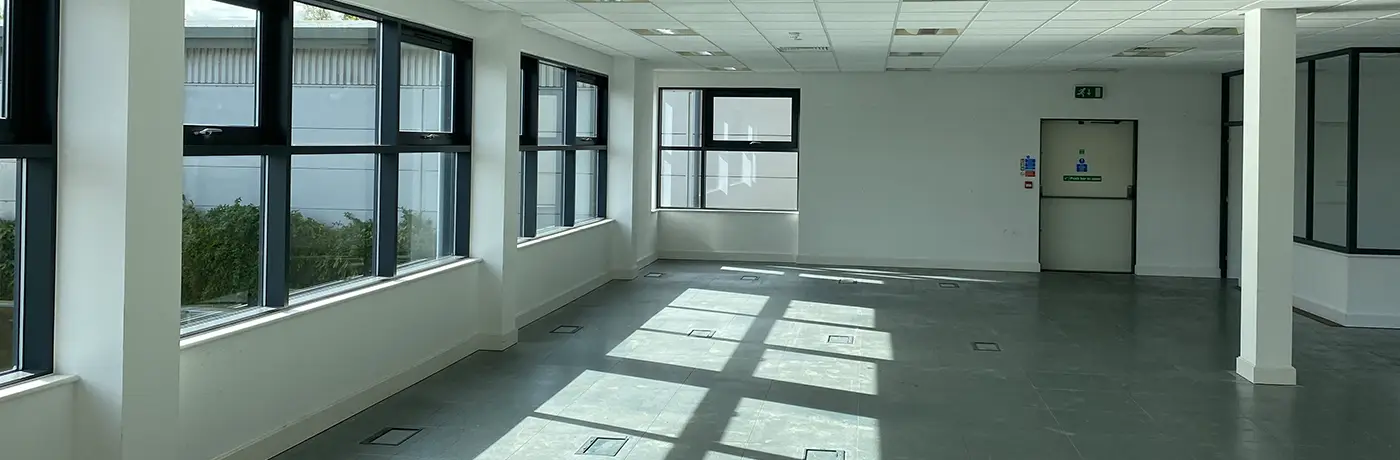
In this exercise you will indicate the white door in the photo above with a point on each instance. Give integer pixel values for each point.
(1233, 200)
(1086, 195)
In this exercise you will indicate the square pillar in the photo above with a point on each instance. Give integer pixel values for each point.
(1266, 278)
(117, 324)
(495, 195)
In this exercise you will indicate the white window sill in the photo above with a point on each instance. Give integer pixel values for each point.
(724, 211)
(525, 243)
(319, 303)
(47, 382)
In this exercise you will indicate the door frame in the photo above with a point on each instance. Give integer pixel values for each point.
(1040, 194)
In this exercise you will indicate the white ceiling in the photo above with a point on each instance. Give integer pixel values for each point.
(996, 34)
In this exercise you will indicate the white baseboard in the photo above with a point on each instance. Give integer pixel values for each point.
(646, 260)
(921, 263)
(1329, 312)
(1182, 272)
(529, 316)
(294, 433)
(729, 256)
(631, 274)
(1373, 320)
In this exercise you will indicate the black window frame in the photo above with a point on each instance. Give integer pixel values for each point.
(29, 134)
(705, 114)
(1353, 57)
(568, 159)
(271, 139)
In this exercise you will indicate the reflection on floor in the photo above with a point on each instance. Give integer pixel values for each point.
(707, 362)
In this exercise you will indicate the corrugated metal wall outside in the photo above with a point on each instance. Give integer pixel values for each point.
(329, 66)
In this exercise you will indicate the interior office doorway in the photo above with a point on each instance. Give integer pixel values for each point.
(1234, 137)
(1088, 198)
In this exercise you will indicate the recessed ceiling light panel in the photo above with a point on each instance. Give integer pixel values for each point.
(1208, 31)
(916, 53)
(665, 32)
(1153, 52)
(729, 69)
(702, 53)
(804, 49)
(926, 31)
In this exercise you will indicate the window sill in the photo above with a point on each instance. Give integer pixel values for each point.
(322, 300)
(725, 211)
(25, 385)
(525, 243)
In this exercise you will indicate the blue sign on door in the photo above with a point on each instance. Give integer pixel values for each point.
(1081, 166)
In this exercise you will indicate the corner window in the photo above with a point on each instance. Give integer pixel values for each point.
(728, 148)
(303, 173)
(563, 148)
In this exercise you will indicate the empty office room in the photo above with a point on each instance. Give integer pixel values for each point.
(699, 230)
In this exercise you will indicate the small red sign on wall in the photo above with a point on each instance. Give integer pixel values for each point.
(1030, 173)
(1030, 184)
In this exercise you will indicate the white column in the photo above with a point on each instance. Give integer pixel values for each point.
(495, 220)
(119, 176)
(644, 163)
(1266, 279)
(623, 196)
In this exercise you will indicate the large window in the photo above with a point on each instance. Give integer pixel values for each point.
(563, 150)
(305, 139)
(728, 149)
(28, 186)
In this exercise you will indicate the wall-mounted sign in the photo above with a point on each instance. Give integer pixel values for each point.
(1088, 92)
(1083, 178)
(1030, 185)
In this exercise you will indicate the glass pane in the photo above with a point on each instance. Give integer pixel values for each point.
(9, 321)
(679, 178)
(1378, 153)
(221, 64)
(1300, 154)
(1236, 98)
(587, 111)
(425, 94)
(585, 186)
(221, 237)
(335, 78)
(421, 215)
(332, 219)
(551, 129)
(753, 119)
(751, 180)
(551, 180)
(680, 118)
(4, 94)
(1330, 152)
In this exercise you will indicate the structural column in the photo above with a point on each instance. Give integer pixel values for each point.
(495, 195)
(1266, 278)
(119, 212)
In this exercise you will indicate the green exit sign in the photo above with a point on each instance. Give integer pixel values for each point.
(1088, 92)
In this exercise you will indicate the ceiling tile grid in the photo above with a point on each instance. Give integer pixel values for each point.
(875, 35)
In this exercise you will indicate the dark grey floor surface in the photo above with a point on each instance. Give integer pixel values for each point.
(702, 363)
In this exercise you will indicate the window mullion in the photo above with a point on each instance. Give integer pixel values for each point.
(276, 229)
(529, 196)
(600, 175)
(386, 168)
(568, 167)
(35, 249)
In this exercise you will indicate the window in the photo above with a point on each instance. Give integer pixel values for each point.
(563, 158)
(303, 174)
(728, 149)
(28, 186)
(1329, 186)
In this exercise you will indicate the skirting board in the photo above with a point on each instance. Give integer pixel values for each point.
(920, 263)
(561, 300)
(294, 433)
(636, 269)
(1337, 315)
(729, 256)
(1180, 272)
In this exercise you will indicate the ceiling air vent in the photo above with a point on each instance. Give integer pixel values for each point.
(804, 49)
(916, 53)
(1153, 52)
(1208, 31)
(927, 31)
(729, 69)
(702, 53)
(665, 32)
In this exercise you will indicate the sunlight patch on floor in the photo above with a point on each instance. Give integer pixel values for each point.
(865, 343)
(684, 320)
(787, 430)
(758, 271)
(839, 278)
(830, 313)
(818, 371)
(676, 350)
(720, 301)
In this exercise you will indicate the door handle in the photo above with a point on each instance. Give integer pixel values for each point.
(1132, 193)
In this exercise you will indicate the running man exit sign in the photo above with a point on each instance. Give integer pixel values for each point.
(1088, 92)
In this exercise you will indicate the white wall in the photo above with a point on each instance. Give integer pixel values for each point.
(306, 369)
(921, 169)
(37, 418)
(552, 272)
(1349, 289)
(1320, 282)
(728, 235)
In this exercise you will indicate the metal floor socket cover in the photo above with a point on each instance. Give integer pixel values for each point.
(602, 446)
(566, 329)
(841, 339)
(391, 436)
(985, 346)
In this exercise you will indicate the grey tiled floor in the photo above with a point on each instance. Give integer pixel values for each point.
(1092, 367)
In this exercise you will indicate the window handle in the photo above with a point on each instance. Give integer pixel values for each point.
(431, 136)
(753, 142)
(206, 132)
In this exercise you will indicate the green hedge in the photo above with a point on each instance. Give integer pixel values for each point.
(221, 250)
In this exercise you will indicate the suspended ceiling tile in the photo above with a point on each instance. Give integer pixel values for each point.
(858, 7)
(1015, 16)
(941, 7)
(908, 16)
(777, 8)
(858, 17)
(698, 8)
(1021, 5)
(709, 17)
(1131, 5)
(621, 8)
